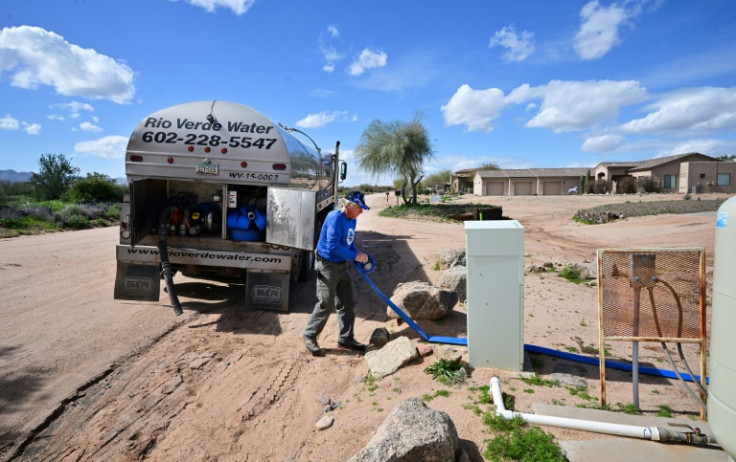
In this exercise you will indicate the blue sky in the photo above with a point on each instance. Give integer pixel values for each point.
(525, 83)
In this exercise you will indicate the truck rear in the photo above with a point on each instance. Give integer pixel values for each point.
(223, 192)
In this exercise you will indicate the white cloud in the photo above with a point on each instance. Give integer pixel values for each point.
(414, 70)
(474, 108)
(89, 127)
(575, 105)
(237, 6)
(35, 56)
(602, 143)
(518, 47)
(9, 123)
(699, 109)
(323, 118)
(55, 117)
(110, 147)
(331, 57)
(368, 59)
(710, 147)
(32, 129)
(74, 107)
(600, 25)
(329, 52)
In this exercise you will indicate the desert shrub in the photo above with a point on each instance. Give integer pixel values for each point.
(571, 273)
(599, 186)
(515, 440)
(649, 184)
(610, 212)
(628, 185)
(112, 211)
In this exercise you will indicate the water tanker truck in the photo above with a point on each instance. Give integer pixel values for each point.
(217, 190)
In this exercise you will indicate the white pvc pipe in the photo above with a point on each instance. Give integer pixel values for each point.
(634, 431)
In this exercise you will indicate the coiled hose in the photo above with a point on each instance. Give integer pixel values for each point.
(165, 266)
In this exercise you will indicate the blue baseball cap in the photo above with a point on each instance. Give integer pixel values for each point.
(356, 197)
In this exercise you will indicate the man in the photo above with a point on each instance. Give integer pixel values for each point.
(335, 252)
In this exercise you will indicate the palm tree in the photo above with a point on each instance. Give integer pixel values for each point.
(396, 148)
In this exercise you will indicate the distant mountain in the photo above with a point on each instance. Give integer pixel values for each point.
(14, 177)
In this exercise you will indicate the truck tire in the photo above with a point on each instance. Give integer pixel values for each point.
(300, 269)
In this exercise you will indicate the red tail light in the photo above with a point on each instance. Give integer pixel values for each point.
(136, 158)
(279, 166)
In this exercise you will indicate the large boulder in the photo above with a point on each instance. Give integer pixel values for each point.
(455, 279)
(412, 433)
(420, 300)
(448, 258)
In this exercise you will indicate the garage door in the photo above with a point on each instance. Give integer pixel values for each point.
(552, 188)
(494, 188)
(523, 188)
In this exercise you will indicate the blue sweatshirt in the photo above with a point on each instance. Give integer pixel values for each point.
(336, 240)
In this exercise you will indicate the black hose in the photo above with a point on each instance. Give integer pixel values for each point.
(165, 266)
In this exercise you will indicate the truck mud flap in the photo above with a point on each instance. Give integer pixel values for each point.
(267, 290)
(137, 282)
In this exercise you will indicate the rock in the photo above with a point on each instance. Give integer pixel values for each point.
(450, 353)
(455, 279)
(419, 300)
(391, 357)
(424, 349)
(324, 422)
(379, 337)
(446, 259)
(324, 400)
(412, 433)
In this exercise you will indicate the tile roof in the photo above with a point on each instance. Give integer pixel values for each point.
(533, 172)
(652, 163)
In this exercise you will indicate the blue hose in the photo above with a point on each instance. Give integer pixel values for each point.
(527, 347)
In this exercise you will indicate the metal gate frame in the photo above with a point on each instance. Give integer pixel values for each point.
(646, 267)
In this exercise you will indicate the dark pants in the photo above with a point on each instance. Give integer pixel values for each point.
(334, 292)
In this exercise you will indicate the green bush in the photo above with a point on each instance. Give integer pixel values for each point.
(649, 184)
(627, 185)
(96, 188)
(599, 186)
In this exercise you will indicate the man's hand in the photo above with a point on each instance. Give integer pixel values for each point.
(361, 257)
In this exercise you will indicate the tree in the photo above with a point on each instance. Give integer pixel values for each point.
(396, 148)
(54, 177)
(490, 166)
(437, 180)
(97, 187)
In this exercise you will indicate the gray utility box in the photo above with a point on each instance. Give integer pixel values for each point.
(495, 262)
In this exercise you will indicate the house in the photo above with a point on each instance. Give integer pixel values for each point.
(682, 173)
(462, 180)
(691, 172)
(526, 181)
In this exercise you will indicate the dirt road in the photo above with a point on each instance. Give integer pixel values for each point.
(86, 377)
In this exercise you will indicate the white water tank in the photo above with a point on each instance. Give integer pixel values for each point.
(721, 395)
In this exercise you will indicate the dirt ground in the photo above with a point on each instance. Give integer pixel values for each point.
(86, 377)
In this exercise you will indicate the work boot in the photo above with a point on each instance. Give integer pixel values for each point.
(351, 345)
(312, 346)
